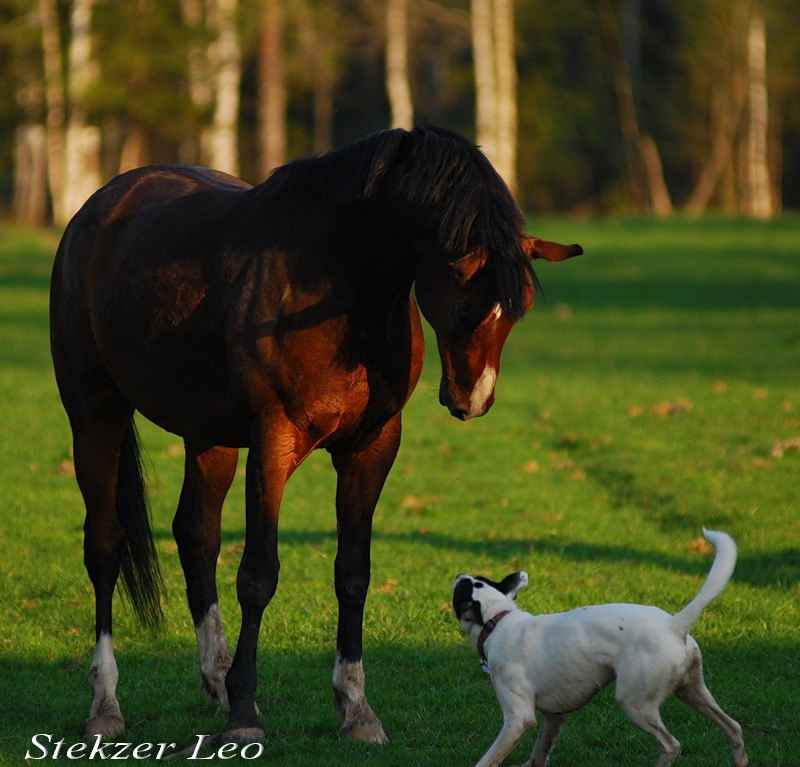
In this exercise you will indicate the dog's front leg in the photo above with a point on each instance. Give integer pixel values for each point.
(515, 725)
(549, 730)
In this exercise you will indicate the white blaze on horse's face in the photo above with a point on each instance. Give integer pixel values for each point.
(459, 299)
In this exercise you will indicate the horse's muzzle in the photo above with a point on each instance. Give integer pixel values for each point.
(465, 411)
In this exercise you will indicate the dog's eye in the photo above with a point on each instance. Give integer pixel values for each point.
(478, 585)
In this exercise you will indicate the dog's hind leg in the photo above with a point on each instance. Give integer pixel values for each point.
(693, 692)
(549, 730)
(646, 716)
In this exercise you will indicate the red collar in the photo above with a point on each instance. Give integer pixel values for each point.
(488, 628)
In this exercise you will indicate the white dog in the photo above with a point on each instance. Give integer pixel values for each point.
(554, 664)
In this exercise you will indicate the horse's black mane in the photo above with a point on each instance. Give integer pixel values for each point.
(442, 174)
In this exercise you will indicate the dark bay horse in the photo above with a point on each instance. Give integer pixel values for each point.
(279, 318)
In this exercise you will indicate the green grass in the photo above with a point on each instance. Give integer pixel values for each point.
(636, 404)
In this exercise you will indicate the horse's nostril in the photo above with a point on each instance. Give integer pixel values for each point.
(458, 413)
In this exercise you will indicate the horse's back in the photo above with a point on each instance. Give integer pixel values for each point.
(133, 203)
(139, 285)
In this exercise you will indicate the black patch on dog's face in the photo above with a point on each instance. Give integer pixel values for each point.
(465, 607)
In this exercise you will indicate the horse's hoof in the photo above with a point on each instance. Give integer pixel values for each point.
(243, 735)
(104, 726)
(367, 731)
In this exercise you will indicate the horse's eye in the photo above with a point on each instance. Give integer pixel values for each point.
(465, 314)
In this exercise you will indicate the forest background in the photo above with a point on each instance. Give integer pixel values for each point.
(584, 106)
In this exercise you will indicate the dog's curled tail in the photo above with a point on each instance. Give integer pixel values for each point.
(718, 577)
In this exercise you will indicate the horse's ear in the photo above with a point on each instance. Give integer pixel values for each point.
(465, 267)
(549, 251)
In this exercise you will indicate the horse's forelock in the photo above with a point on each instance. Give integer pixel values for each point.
(474, 208)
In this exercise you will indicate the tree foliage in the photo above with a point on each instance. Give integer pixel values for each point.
(685, 60)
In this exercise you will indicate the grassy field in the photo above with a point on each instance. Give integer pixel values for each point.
(654, 391)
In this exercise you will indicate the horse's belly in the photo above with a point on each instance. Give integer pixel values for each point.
(171, 365)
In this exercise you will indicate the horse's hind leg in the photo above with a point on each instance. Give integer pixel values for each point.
(360, 480)
(97, 446)
(208, 476)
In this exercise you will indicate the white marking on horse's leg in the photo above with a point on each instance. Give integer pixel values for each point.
(482, 390)
(215, 657)
(358, 719)
(105, 717)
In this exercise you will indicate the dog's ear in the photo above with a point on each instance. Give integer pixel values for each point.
(464, 606)
(511, 584)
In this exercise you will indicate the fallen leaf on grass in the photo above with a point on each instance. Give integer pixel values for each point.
(531, 467)
(417, 503)
(66, 468)
(388, 587)
(668, 408)
(701, 546)
(720, 387)
(782, 446)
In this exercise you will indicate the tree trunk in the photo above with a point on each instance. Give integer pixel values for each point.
(759, 193)
(201, 88)
(726, 111)
(134, 152)
(271, 89)
(82, 169)
(485, 78)
(397, 79)
(223, 143)
(54, 97)
(645, 171)
(318, 40)
(30, 175)
(506, 110)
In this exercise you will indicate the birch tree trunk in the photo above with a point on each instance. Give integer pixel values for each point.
(758, 197)
(30, 175)
(223, 143)
(397, 79)
(82, 169)
(271, 89)
(54, 98)
(201, 91)
(485, 77)
(506, 108)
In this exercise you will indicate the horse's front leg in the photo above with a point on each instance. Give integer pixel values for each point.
(276, 449)
(360, 480)
(196, 527)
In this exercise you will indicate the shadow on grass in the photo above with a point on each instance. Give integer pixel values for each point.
(434, 702)
(763, 569)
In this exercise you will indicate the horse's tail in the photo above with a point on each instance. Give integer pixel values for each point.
(141, 577)
(718, 577)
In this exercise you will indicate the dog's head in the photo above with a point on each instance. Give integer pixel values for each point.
(477, 599)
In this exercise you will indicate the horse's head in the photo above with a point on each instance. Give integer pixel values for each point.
(461, 301)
